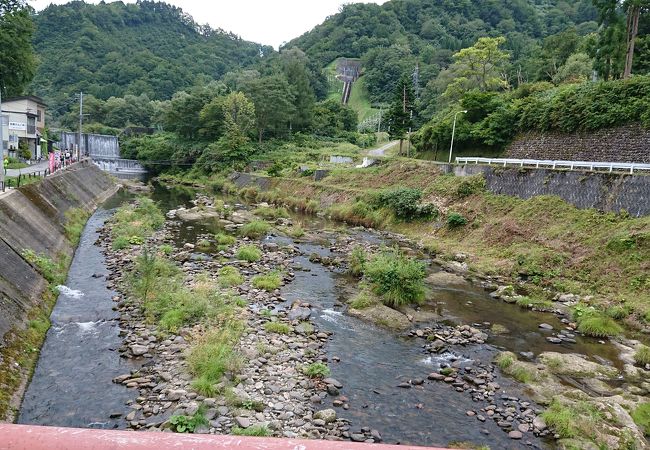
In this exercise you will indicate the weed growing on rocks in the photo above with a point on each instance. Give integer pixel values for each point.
(571, 420)
(75, 221)
(255, 430)
(357, 261)
(134, 222)
(277, 327)
(269, 282)
(641, 416)
(230, 276)
(397, 279)
(53, 271)
(642, 355)
(316, 370)
(595, 323)
(249, 253)
(255, 229)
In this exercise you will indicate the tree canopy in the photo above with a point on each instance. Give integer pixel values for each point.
(17, 60)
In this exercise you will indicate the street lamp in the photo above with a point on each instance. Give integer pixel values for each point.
(453, 133)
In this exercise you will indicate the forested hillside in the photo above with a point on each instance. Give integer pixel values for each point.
(395, 37)
(112, 49)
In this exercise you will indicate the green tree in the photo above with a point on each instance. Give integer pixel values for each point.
(634, 8)
(481, 66)
(294, 63)
(238, 113)
(400, 114)
(17, 60)
(577, 69)
(274, 103)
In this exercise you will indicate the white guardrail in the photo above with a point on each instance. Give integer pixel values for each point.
(545, 163)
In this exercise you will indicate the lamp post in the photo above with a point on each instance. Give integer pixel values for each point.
(453, 133)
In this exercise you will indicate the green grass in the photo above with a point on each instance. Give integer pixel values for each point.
(224, 240)
(16, 165)
(363, 300)
(134, 222)
(357, 261)
(254, 430)
(249, 253)
(572, 420)
(269, 282)
(641, 416)
(359, 100)
(53, 271)
(505, 360)
(397, 279)
(203, 244)
(230, 276)
(598, 324)
(316, 370)
(75, 221)
(271, 212)
(277, 327)
(185, 424)
(166, 249)
(642, 355)
(528, 302)
(255, 229)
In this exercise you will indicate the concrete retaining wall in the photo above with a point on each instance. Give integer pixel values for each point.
(33, 217)
(603, 191)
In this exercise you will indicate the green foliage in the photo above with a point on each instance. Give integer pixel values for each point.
(185, 424)
(230, 276)
(642, 355)
(254, 430)
(269, 282)
(316, 370)
(249, 253)
(357, 261)
(363, 300)
(397, 279)
(505, 360)
(456, 220)
(277, 327)
(595, 323)
(255, 229)
(17, 60)
(572, 420)
(641, 416)
(53, 271)
(405, 203)
(224, 239)
(166, 249)
(75, 222)
(134, 222)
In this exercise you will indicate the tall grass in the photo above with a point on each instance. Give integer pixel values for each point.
(134, 222)
(255, 229)
(75, 221)
(397, 279)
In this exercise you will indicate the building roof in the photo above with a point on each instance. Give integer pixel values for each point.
(33, 98)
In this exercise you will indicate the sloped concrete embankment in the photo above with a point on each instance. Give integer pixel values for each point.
(33, 217)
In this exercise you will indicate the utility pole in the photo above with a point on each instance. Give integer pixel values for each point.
(453, 134)
(81, 123)
(379, 124)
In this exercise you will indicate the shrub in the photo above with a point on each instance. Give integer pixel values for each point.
(316, 370)
(277, 327)
(405, 203)
(185, 424)
(357, 262)
(456, 220)
(255, 229)
(641, 416)
(396, 278)
(249, 253)
(255, 430)
(268, 282)
(642, 355)
(230, 276)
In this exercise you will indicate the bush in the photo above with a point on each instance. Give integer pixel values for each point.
(268, 282)
(230, 276)
(455, 220)
(316, 370)
(357, 262)
(396, 278)
(277, 327)
(642, 355)
(249, 253)
(255, 229)
(405, 203)
(185, 424)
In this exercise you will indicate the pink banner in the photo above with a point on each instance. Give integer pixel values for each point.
(52, 162)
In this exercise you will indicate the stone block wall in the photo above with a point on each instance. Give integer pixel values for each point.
(622, 144)
(608, 192)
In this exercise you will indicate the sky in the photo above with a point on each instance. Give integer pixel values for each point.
(269, 22)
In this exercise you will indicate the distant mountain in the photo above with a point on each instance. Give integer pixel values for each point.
(395, 37)
(113, 49)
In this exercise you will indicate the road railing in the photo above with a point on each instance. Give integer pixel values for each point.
(557, 164)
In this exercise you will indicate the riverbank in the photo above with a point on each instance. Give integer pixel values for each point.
(40, 225)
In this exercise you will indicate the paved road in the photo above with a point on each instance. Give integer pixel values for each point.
(381, 151)
(40, 167)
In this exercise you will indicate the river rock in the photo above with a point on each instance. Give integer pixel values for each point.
(139, 350)
(243, 422)
(573, 365)
(545, 326)
(328, 415)
(515, 435)
(539, 424)
(176, 394)
(334, 382)
(299, 313)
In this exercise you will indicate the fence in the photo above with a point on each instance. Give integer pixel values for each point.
(553, 164)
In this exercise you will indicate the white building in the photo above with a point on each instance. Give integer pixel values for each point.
(23, 119)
